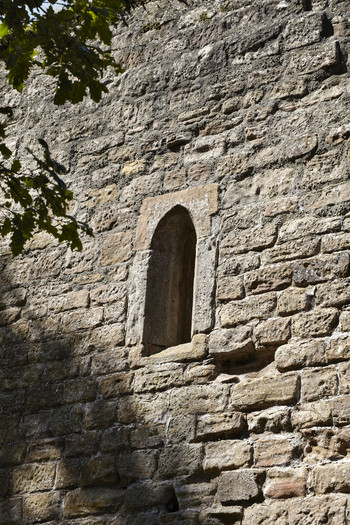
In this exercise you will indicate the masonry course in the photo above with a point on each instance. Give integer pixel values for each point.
(238, 111)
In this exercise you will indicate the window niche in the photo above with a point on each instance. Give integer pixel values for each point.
(172, 278)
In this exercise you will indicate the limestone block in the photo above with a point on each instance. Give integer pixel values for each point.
(230, 288)
(237, 312)
(335, 293)
(15, 297)
(290, 250)
(321, 269)
(306, 226)
(195, 494)
(273, 451)
(285, 483)
(331, 478)
(327, 509)
(226, 455)
(318, 383)
(98, 471)
(240, 264)
(275, 419)
(100, 414)
(82, 502)
(330, 197)
(215, 515)
(115, 385)
(199, 399)
(9, 316)
(203, 149)
(107, 293)
(109, 361)
(180, 429)
(345, 321)
(115, 248)
(273, 331)
(79, 390)
(289, 87)
(312, 415)
(66, 419)
(11, 511)
(159, 377)
(344, 378)
(49, 448)
(231, 342)
(68, 473)
(115, 439)
(268, 279)
(293, 300)
(212, 426)
(105, 337)
(299, 354)
(279, 206)
(237, 487)
(174, 180)
(243, 241)
(263, 392)
(308, 62)
(134, 167)
(33, 477)
(341, 410)
(180, 460)
(304, 31)
(193, 351)
(235, 165)
(266, 514)
(142, 407)
(318, 322)
(41, 507)
(335, 242)
(82, 319)
(84, 444)
(12, 454)
(204, 286)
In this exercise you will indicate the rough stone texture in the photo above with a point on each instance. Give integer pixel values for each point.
(237, 111)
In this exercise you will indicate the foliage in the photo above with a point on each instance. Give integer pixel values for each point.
(68, 41)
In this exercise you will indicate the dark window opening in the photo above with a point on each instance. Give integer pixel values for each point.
(170, 278)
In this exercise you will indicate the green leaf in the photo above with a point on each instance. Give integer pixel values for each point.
(4, 29)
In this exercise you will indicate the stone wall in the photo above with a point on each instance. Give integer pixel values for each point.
(249, 423)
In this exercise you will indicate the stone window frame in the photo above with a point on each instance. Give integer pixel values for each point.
(202, 204)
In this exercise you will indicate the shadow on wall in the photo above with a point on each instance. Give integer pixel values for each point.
(74, 443)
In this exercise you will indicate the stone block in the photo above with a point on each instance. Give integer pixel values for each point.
(100, 414)
(268, 279)
(292, 301)
(44, 449)
(148, 495)
(263, 392)
(199, 399)
(226, 455)
(230, 288)
(82, 319)
(330, 478)
(203, 149)
(115, 439)
(231, 343)
(83, 502)
(330, 510)
(237, 312)
(33, 477)
(273, 451)
(41, 507)
(273, 332)
(111, 361)
(193, 351)
(65, 420)
(79, 390)
(344, 378)
(11, 511)
(341, 410)
(99, 471)
(321, 269)
(311, 415)
(83, 444)
(275, 419)
(236, 487)
(258, 238)
(287, 251)
(106, 337)
(115, 248)
(142, 408)
(213, 426)
(335, 242)
(115, 385)
(69, 301)
(336, 293)
(300, 354)
(318, 383)
(159, 377)
(316, 323)
(180, 460)
(195, 494)
(285, 483)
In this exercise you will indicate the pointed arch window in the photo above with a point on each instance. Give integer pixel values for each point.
(170, 281)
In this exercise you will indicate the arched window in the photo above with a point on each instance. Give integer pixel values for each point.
(170, 278)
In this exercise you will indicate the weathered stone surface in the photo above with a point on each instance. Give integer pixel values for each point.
(41, 507)
(315, 323)
(312, 415)
(226, 455)
(299, 354)
(238, 312)
(237, 487)
(211, 426)
(293, 300)
(275, 419)
(83, 502)
(285, 483)
(330, 478)
(296, 249)
(264, 392)
(136, 465)
(115, 248)
(180, 460)
(33, 477)
(335, 293)
(273, 331)
(318, 384)
(275, 451)
(268, 279)
(255, 239)
(231, 343)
